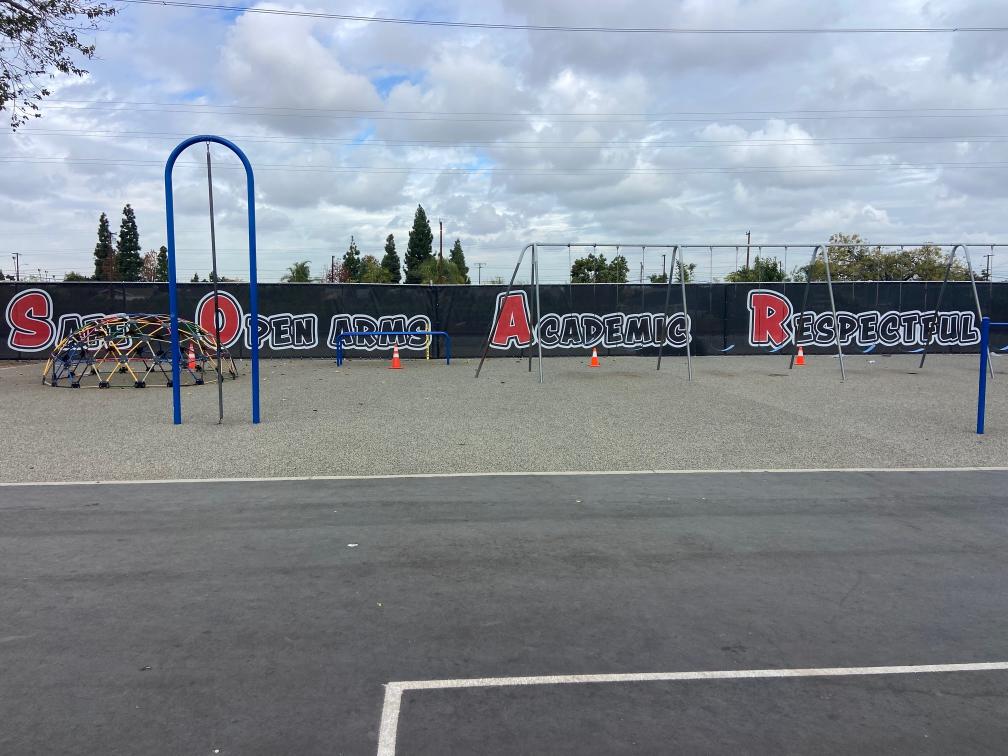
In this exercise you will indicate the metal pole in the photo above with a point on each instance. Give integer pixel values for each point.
(976, 297)
(804, 304)
(216, 291)
(668, 296)
(682, 286)
(486, 345)
(535, 262)
(984, 360)
(532, 283)
(929, 331)
(836, 322)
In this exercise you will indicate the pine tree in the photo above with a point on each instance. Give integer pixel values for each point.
(128, 261)
(391, 260)
(420, 247)
(162, 264)
(458, 257)
(352, 262)
(104, 252)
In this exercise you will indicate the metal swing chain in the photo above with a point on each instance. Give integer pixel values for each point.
(216, 291)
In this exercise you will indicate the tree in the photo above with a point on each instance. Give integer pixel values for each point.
(689, 269)
(420, 247)
(40, 39)
(372, 271)
(161, 273)
(129, 264)
(195, 278)
(433, 270)
(458, 258)
(659, 278)
(104, 252)
(299, 272)
(352, 262)
(148, 269)
(70, 276)
(762, 269)
(391, 260)
(852, 259)
(595, 269)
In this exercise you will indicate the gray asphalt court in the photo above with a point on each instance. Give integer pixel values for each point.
(834, 612)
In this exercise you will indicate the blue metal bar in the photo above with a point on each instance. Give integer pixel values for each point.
(352, 334)
(172, 285)
(985, 325)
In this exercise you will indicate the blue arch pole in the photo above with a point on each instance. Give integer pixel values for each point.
(172, 284)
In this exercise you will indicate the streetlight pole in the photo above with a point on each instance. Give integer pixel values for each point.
(479, 272)
(17, 266)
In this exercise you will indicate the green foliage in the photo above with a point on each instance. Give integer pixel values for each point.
(70, 276)
(299, 272)
(689, 269)
(420, 247)
(763, 269)
(104, 252)
(658, 278)
(129, 264)
(41, 38)
(352, 263)
(434, 270)
(457, 257)
(595, 269)
(161, 272)
(372, 271)
(852, 259)
(391, 260)
(195, 278)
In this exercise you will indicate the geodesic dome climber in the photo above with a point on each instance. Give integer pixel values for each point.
(124, 350)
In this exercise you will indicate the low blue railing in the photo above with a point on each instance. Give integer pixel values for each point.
(353, 334)
(985, 327)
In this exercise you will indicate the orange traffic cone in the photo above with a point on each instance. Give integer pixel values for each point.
(192, 357)
(800, 359)
(396, 365)
(594, 360)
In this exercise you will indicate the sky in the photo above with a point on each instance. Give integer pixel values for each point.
(515, 136)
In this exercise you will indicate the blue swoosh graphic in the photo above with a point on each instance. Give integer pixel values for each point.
(729, 348)
(777, 349)
(916, 351)
(870, 349)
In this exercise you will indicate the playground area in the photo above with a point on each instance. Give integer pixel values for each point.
(364, 419)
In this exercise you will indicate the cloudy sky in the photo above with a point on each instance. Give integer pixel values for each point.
(514, 136)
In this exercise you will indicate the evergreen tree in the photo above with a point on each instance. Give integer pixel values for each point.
(458, 258)
(391, 260)
(352, 263)
(195, 278)
(162, 265)
(129, 264)
(420, 247)
(104, 252)
(371, 271)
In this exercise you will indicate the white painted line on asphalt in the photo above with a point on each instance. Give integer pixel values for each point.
(387, 731)
(512, 474)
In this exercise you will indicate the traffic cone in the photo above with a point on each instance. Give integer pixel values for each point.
(800, 359)
(192, 357)
(396, 365)
(594, 360)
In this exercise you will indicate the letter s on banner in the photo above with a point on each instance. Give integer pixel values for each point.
(769, 318)
(232, 317)
(511, 321)
(29, 317)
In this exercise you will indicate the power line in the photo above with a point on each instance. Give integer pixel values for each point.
(563, 28)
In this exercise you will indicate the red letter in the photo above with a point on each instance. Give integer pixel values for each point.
(231, 317)
(29, 317)
(511, 321)
(769, 318)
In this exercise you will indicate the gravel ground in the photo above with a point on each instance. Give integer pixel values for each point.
(737, 413)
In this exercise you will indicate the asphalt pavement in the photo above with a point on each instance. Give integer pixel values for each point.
(268, 617)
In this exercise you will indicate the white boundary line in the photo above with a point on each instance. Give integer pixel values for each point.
(389, 726)
(533, 474)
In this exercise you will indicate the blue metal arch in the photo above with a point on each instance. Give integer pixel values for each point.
(172, 284)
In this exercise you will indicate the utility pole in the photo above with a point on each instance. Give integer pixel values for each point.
(332, 270)
(479, 272)
(17, 266)
(440, 254)
(989, 255)
(748, 242)
(663, 267)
